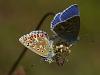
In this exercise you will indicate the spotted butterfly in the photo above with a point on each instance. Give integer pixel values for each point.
(66, 26)
(38, 42)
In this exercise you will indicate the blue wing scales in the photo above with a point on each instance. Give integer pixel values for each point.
(67, 24)
(56, 20)
(71, 11)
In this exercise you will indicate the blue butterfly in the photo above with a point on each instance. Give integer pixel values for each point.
(66, 24)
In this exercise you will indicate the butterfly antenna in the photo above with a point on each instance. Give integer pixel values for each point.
(25, 49)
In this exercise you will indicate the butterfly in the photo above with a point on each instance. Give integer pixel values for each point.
(66, 24)
(38, 42)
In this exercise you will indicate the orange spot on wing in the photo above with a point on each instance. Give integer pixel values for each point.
(41, 35)
(33, 45)
(30, 41)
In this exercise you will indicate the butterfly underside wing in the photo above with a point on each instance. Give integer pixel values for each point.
(37, 42)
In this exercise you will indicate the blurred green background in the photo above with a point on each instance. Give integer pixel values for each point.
(18, 17)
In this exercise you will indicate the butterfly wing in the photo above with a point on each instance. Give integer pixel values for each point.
(56, 20)
(69, 25)
(70, 12)
(68, 30)
(36, 41)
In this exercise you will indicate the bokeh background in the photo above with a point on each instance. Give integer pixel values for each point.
(18, 17)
